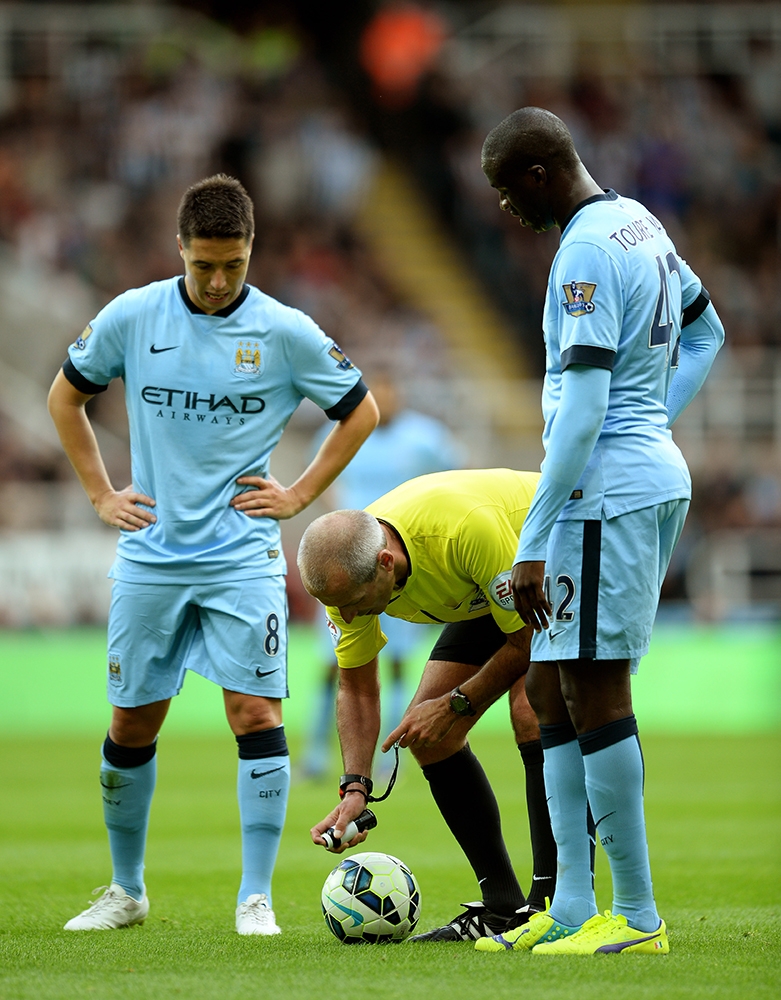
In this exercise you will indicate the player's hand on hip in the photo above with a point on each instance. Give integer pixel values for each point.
(423, 725)
(350, 808)
(120, 509)
(530, 600)
(266, 498)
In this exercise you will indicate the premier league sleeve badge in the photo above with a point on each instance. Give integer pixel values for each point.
(578, 296)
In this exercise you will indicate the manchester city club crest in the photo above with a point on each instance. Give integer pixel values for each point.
(247, 359)
(114, 668)
(578, 297)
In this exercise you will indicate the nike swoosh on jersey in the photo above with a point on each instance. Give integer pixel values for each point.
(552, 635)
(160, 350)
(261, 774)
(604, 817)
(265, 673)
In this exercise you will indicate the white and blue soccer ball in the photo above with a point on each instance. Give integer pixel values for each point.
(371, 898)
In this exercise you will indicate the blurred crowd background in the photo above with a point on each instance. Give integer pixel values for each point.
(358, 133)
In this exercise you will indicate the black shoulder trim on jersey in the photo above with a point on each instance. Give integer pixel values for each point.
(608, 195)
(695, 309)
(348, 402)
(77, 380)
(594, 357)
(220, 313)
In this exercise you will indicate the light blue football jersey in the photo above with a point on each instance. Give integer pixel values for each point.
(412, 444)
(208, 398)
(615, 297)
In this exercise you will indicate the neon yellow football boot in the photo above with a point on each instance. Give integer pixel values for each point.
(540, 927)
(605, 934)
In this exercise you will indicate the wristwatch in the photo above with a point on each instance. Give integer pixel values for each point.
(460, 704)
(367, 785)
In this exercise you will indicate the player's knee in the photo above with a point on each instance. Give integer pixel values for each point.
(251, 714)
(544, 694)
(134, 727)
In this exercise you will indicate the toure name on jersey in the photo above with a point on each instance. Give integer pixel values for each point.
(189, 404)
(636, 232)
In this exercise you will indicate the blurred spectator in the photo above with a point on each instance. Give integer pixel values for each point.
(398, 46)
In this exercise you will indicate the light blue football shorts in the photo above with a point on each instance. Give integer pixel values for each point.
(234, 634)
(603, 579)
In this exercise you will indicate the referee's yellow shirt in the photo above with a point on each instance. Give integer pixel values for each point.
(460, 530)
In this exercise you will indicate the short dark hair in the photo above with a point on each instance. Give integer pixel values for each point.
(527, 137)
(216, 207)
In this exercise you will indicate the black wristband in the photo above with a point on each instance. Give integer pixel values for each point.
(367, 785)
(360, 791)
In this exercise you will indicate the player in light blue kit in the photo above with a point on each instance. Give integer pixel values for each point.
(213, 370)
(630, 336)
(406, 444)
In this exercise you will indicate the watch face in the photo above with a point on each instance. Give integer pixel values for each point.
(460, 703)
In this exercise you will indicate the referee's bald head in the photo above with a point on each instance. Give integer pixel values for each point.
(344, 544)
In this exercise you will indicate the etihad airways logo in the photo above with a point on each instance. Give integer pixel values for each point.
(188, 404)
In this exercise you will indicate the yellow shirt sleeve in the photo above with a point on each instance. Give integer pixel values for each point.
(357, 643)
(487, 544)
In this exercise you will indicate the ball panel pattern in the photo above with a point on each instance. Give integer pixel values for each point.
(372, 898)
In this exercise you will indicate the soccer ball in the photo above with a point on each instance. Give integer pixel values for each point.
(371, 898)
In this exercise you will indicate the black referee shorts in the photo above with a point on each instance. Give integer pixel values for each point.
(472, 642)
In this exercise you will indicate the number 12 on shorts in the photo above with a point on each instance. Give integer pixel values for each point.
(561, 612)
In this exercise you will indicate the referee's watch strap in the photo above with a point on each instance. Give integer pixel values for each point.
(366, 783)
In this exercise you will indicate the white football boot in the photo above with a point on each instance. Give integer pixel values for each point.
(112, 910)
(255, 916)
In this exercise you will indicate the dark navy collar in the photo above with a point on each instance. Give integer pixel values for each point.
(608, 195)
(404, 549)
(227, 311)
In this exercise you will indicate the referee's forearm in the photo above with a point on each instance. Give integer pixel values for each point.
(358, 725)
(500, 672)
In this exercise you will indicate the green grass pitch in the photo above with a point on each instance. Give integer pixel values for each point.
(714, 818)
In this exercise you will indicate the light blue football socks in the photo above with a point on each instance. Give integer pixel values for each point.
(127, 780)
(263, 786)
(574, 901)
(613, 764)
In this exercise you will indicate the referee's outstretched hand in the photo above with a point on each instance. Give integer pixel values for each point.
(266, 498)
(119, 508)
(424, 725)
